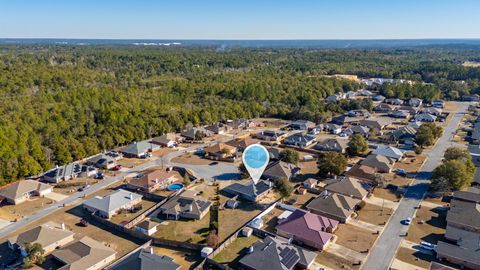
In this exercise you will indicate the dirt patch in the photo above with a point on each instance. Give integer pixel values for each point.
(334, 262)
(193, 159)
(412, 163)
(394, 179)
(163, 151)
(12, 212)
(374, 214)
(230, 220)
(428, 225)
(71, 186)
(355, 238)
(385, 194)
(132, 162)
(414, 257)
(185, 258)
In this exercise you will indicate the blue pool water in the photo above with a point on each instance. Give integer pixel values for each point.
(175, 186)
(256, 156)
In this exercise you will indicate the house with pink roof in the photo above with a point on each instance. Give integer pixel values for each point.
(307, 228)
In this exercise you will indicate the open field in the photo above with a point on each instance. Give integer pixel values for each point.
(354, 238)
(270, 123)
(373, 214)
(194, 231)
(163, 151)
(132, 162)
(193, 159)
(73, 185)
(235, 251)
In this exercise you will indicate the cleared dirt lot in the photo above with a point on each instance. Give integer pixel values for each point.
(385, 194)
(193, 159)
(185, 258)
(11, 212)
(373, 214)
(411, 163)
(354, 238)
(230, 220)
(428, 225)
(334, 262)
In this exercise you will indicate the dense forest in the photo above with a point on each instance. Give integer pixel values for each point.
(62, 103)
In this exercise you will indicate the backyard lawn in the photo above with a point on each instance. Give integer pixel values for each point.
(373, 214)
(354, 238)
(194, 231)
(235, 251)
(230, 220)
(428, 225)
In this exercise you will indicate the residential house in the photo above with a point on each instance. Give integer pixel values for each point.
(302, 125)
(242, 144)
(358, 113)
(378, 98)
(271, 135)
(376, 125)
(474, 97)
(167, 140)
(394, 101)
(147, 227)
(333, 98)
(345, 119)
(22, 190)
(410, 109)
(88, 171)
(389, 151)
(425, 117)
(307, 228)
(219, 128)
(438, 104)
(186, 205)
(196, 134)
(115, 155)
(152, 181)
(399, 114)
(332, 144)
(274, 153)
(144, 259)
(380, 163)
(471, 195)
(241, 123)
(220, 151)
(432, 111)
(364, 93)
(316, 130)
(356, 129)
(278, 170)
(333, 205)
(84, 254)
(464, 215)
(383, 107)
(299, 140)
(415, 102)
(50, 235)
(310, 183)
(63, 173)
(249, 191)
(139, 149)
(102, 161)
(113, 203)
(333, 128)
(347, 186)
(362, 172)
(277, 254)
(403, 134)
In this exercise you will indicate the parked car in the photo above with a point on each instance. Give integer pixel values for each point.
(99, 175)
(407, 221)
(401, 172)
(83, 188)
(213, 163)
(427, 245)
(117, 167)
(83, 223)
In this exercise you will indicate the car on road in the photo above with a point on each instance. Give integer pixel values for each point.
(213, 163)
(407, 221)
(83, 188)
(99, 175)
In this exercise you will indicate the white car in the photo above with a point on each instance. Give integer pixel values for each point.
(428, 246)
(408, 221)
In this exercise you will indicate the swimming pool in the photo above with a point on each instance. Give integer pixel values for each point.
(175, 186)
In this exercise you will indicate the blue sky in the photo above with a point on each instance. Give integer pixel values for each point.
(240, 19)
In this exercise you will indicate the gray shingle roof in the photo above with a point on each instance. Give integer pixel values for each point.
(113, 201)
(144, 260)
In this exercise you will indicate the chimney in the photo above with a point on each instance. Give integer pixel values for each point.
(151, 250)
(131, 196)
(63, 226)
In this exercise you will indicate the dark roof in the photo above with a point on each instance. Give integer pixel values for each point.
(276, 254)
(280, 169)
(467, 247)
(248, 190)
(333, 204)
(464, 213)
(468, 196)
(144, 260)
(348, 186)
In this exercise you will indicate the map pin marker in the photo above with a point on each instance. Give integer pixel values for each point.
(255, 158)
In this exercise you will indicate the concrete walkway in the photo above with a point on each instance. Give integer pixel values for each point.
(400, 265)
(365, 225)
(382, 202)
(346, 253)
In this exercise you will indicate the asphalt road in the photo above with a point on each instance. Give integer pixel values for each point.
(382, 254)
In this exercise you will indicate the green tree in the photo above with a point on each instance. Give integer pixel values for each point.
(290, 156)
(455, 173)
(284, 187)
(427, 134)
(35, 255)
(357, 145)
(331, 163)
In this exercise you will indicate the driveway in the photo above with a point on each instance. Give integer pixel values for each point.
(55, 196)
(384, 251)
